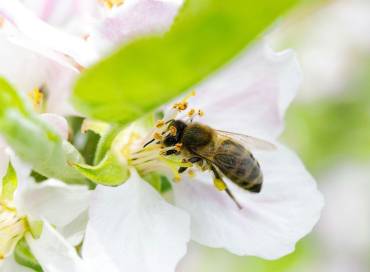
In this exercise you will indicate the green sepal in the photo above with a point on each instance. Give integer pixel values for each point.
(34, 140)
(109, 172)
(35, 227)
(10, 184)
(23, 256)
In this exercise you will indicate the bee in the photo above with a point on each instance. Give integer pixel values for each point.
(226, 154)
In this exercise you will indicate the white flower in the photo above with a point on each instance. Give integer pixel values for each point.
(32, 209)
(56, 42)
(132, 228)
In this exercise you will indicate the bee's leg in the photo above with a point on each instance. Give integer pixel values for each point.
(222, 186)
(192, 160)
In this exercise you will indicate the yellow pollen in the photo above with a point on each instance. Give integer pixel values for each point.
(157, 136)
(177, 178)
(181, 106)
(178, 146)
(111, 3)
(220, 184)
(160, 123)
(173, 130)
(37, 98)
(191, 112)
(200, 113)
(191, 173)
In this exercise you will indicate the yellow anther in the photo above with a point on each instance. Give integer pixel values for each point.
(173, 130)
(181, 106)
(200, 113)
(37, 98)
(157, 136)
(111, 3)
(160, 123)
(220, 184)
(191, 173)
(177, 178)
(191, 113)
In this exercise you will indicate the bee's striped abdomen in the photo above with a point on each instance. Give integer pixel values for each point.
(239, 165)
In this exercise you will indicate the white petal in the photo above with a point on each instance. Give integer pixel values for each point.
(59, 13)
(58, 122)
(31, 32)
(74, 232)
(251, 95)
(270, 222)
(134, 18)
(54, 253)
(10, 265)
(27, 70)
(53, 200)
(135, 228)
(4, 158)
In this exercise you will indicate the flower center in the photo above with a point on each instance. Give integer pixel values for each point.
(156, 156)
(12, 229)
(37, 97)
(111, 3)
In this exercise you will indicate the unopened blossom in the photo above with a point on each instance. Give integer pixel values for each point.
(30, 211)
(135, 221)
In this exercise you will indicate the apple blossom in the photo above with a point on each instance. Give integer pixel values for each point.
(27, 210)
(139, 231)
(61, 50)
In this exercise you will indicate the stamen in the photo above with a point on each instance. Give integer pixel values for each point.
(12, 229)
(191, 113)
(37, 98)
(183, 105)
(160, 123)
(158, 136)
(191, 173)
(111, 3)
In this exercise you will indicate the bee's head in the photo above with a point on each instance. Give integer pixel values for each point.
(175, 137)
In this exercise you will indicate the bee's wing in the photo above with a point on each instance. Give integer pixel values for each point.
(248, 141)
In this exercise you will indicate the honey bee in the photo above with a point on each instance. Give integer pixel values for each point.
(226, 154)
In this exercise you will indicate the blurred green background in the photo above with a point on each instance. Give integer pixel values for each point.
(329, 127)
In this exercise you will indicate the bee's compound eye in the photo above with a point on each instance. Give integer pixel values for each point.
(170, 141)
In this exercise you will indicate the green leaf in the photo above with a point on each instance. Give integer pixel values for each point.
(109, 172)
(34, 140)
(150, 71)
(23, 256)
(10, 184)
